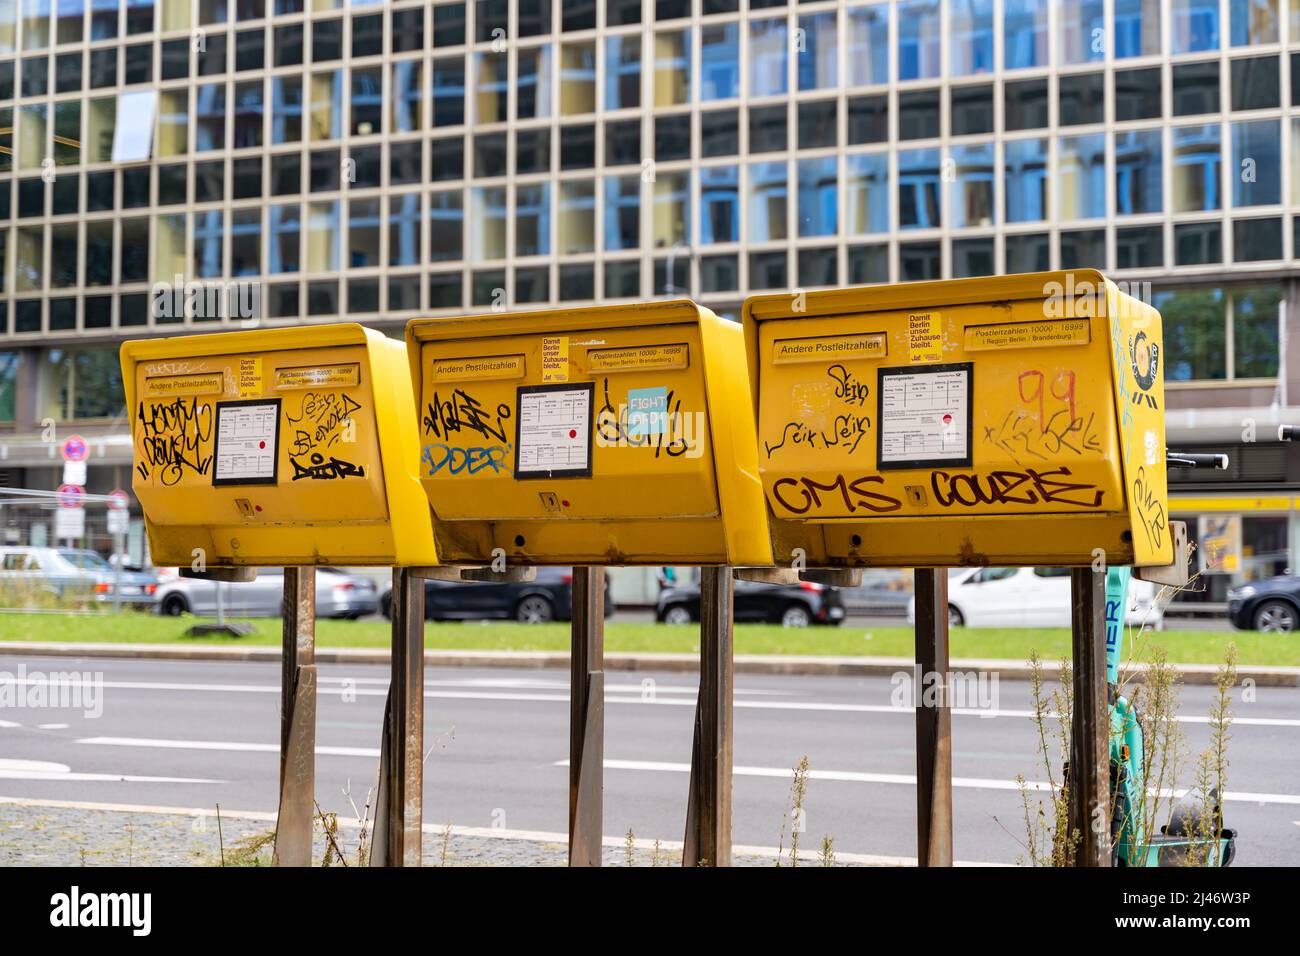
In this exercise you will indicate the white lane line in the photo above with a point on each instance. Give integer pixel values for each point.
(17, 769)
(9, 723)
(907, 779)
(487, 833)
(825, 706)
(52, 726)
(236, 746)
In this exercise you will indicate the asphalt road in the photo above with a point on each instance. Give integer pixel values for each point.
(191, 735)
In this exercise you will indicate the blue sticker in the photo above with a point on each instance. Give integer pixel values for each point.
(647, 412)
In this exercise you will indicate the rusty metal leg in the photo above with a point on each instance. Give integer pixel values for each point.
(933, 721)
(708, 808)
(293, 829)
(399, 813)
(587, 718)
(1089, 794)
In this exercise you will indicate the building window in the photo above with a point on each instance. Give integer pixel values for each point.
(918, 39)
(868, 45)
(818, 61)
(1026, 180)
(1138, 165)
(1256, 162)
(1195, 168)
(1137, 28)
(719, 204)
(1082, 31)
(1024, 26)
(768, 195)
(10, 362)
(80, 384)
(970, 34)
(1252, 22)
(867, 188)
(768, 51)
(971, 189)
(720, 62)
(623, 72)
(622, 212)
(1194, 25)
(919, 197)
(818, 199)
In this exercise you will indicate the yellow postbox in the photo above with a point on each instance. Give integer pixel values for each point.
(277, 447)
(615, 435)
(1016, 420)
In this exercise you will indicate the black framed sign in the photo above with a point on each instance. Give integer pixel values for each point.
(247, 448)
(553, 430)
(923, 416)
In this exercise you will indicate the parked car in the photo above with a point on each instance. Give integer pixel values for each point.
(71, 575)
(1029, 597)
(1271, 605)
(791, 605)
(547, 598)
(338, 594)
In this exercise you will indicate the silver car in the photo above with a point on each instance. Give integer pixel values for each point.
(69, 576)
(338, 594)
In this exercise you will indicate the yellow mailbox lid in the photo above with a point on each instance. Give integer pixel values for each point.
(277, 447)
(612, 435)
(1009, 420)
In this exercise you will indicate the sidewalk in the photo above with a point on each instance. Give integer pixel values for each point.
(817, 666)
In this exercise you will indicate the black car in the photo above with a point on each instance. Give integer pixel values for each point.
(793, 605)
(548, 598)
(1272, 605)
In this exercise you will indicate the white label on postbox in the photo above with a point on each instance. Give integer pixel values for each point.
(246, 449)
(553, 438)
(924, 416)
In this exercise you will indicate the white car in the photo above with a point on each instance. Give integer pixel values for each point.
(1030, 597)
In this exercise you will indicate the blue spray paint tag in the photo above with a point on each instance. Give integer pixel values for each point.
(647, 412)
(1116, 611)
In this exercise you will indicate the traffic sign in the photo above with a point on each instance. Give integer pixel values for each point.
(74, 449)
(121, 500)
(69, 524)
(71, 496)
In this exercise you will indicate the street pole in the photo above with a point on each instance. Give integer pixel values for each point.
(587, 718)
(708, 808)
(1088, 808)
(933, 721)
(293, 828)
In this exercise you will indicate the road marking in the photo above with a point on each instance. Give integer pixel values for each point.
(907, 779)
(52, 726)
(232, 745)
(666, 847)
(16, 769)
(632, 698)
(9, 723)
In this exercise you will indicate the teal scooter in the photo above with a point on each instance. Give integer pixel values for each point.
(1132, 838)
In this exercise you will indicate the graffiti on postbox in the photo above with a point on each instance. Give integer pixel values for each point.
(995, 399)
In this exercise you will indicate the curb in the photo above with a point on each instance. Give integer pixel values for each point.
(812, 666)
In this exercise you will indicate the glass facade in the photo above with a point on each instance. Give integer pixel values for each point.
(389, 160)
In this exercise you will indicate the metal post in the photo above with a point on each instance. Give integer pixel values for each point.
(221, 599)
(933, 720)
(1089, 787)
(587, 718)
(708, 807)
(293, 840)
(399, 814)
(118, 558)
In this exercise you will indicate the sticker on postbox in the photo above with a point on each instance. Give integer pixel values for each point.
(647, 412)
